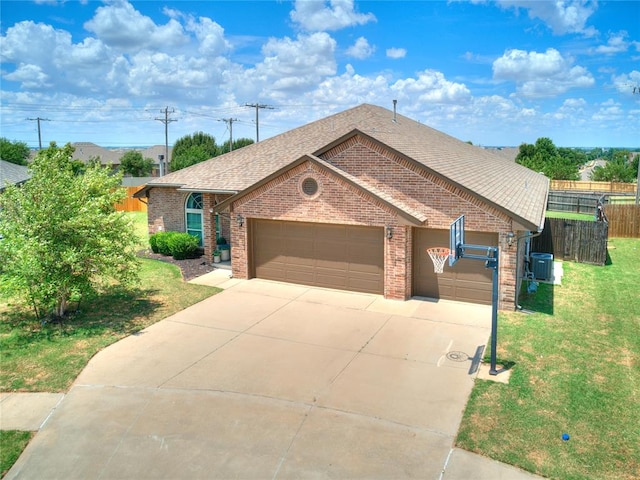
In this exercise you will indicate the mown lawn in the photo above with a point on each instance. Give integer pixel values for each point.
(577, 371)
(47, 357)
(571, 215)
(12, 443)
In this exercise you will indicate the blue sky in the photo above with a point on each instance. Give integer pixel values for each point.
(492, 72)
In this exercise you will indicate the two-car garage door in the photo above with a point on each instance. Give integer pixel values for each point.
(345, 257)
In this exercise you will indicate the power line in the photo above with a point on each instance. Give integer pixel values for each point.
(258, 106)
(164, 163)
(39, 135)
(229, 121)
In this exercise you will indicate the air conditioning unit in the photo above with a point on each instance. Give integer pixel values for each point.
(542, 266)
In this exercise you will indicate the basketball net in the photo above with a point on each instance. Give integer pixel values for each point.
(439, 256)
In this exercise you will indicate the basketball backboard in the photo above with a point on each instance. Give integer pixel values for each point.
(456, 239)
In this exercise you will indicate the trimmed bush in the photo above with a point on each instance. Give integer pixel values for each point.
(183, 245)
(153, 242)
(162, 242)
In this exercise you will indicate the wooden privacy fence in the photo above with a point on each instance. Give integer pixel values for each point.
(624, 220)
(573, 202)
(582, 241)
(603, 187)
(131, 204)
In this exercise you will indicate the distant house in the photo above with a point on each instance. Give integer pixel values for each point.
(352, 201)
(12, 174)
(85, 151)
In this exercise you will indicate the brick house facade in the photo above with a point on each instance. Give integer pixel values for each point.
(364, 174)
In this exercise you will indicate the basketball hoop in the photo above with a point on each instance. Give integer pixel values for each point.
(439, 256)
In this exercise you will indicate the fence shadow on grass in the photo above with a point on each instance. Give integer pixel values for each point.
(540, 300)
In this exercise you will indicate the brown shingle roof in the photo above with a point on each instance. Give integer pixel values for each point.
(513, 188)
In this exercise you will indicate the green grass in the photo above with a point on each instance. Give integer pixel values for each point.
(141, 228)
(576, 370)
(12, 443)
(47, 357)
(570, 215)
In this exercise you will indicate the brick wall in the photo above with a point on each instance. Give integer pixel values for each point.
(166, 210)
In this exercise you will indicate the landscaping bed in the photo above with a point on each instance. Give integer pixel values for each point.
(190, 267)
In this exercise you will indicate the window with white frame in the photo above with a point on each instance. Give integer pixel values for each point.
(193, 216)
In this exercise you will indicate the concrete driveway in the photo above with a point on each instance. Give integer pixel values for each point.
(268, 380)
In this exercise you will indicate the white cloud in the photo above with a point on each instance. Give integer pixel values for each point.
(396, 53)
(617, 43)
(30, 76)
(430, 86)
(121, 26)
(562, 16)
(210, 36)
(322, 15)
(626, 82)
(361, 49)
(540, 74)
(294, 66)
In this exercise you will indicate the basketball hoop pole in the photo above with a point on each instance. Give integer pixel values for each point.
(493, 263)
(490, 256)
(459, 249)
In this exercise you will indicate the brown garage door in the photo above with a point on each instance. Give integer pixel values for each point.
(334, 256)
(467, 281)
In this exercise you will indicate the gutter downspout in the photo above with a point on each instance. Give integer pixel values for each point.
(523, 237)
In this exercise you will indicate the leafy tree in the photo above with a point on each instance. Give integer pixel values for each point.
(196, 148)
(192, 149)
(237, 144)
(14, 152)
(190, 156)
(62, 236)
(623, 167)
(544, 157)
(134, 164)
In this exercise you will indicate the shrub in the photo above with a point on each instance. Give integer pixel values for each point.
(153, 242)
(182, 245)
(162, 242)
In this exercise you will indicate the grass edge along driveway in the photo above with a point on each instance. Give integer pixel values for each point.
(576, 371)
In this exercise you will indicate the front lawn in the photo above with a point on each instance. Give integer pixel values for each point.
(577, 371)
(45, 357)
(12, 443)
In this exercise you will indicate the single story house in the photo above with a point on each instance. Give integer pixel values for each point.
(352, 201)
(12, 174)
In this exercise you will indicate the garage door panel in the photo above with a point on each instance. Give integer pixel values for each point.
(467, 281)
(334, 256)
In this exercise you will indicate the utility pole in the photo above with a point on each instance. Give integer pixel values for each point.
(230, 122)
(39, 134)
(258, 106)
(166, 120)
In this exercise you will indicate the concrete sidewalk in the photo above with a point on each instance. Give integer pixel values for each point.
(269, 380)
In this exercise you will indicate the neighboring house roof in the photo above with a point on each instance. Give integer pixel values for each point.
(520, 192)
(87, 150)
(510, 153)
(10, 173)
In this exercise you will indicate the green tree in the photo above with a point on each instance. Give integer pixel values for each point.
(134, 164)
(544, 157)
(623, 167)
(62, 236)
(237, 144)
(14, 152)
(192, 149)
